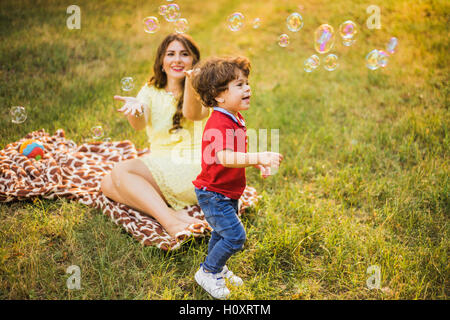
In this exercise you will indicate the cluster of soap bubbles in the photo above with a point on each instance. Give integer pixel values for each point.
(324, 41)
(324, 38)
(19, 114)
(294, 23)
(330, 63)
(171, 13)
(379, 58)
(236, 21)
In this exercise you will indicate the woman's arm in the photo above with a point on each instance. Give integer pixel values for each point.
(192, 108)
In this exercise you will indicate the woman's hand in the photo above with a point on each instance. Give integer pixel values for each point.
(136, 111)
(192, 107)
(132, 106)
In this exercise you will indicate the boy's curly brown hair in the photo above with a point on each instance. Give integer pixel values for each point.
(211, 77)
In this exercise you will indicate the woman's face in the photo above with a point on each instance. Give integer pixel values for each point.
(176, 60)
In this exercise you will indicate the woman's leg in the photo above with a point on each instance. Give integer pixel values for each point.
(132, 183)
(112, 192)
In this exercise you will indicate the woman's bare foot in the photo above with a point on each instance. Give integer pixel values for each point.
(176, 226)
(181, 221)
(184, 216)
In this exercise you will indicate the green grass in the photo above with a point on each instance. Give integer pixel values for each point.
(365, 179)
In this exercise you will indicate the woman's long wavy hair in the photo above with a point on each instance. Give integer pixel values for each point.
(159, 78)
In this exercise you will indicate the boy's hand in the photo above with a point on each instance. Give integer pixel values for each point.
(132, 106)
(270, 159)
(265, 171)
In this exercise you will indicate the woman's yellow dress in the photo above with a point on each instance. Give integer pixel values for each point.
(175, 158)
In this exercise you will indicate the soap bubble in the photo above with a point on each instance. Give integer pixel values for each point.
(324, 38)
(311, 63)
(172, 12)
(283, 40)
(348, 30)
(18, 114)
(331, 62)
(235, 21)
(294, 22)
(383, 58)
(127, 83)
(181, 25)
(151, 24)
(256, 23)
(162, 10)
(372, 60)
(391, 45)
(97, 132)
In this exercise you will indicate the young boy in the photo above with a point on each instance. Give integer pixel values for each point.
(222, 83)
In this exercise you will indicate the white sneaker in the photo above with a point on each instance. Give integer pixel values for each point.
(213, 283)
(228, 274)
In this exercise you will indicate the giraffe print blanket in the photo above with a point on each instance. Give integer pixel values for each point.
(75, 172)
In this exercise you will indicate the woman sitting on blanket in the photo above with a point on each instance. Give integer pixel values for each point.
(159, 184)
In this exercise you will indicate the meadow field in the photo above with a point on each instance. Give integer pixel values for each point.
(364, 183)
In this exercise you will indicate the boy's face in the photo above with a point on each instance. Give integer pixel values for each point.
(237, 96)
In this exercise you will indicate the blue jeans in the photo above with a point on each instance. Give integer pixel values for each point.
(228, 235)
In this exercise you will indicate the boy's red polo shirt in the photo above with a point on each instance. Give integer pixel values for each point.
(222, 131)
